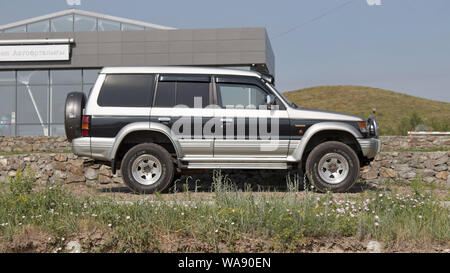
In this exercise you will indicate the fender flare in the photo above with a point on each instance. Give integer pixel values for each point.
(143, 126)
(320, 127)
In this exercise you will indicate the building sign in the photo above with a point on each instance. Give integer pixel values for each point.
(23, 53)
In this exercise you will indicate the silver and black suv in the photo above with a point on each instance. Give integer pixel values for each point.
(154, 123)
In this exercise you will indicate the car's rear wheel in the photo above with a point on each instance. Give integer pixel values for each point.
(332, 166)
(147, 168)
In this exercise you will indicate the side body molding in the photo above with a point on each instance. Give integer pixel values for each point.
(144, 126)
(318, 127)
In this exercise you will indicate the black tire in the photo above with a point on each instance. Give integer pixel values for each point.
(73, 112)
(166, 167)
(340, 181)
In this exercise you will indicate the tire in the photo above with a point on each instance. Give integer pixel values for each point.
(73, 112)
(147, 168)
(332, 166)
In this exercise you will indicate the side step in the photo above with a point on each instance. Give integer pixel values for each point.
(235, 165)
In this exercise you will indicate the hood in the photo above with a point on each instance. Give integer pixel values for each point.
(306, 113)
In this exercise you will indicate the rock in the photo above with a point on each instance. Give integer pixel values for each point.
(440, 168)
(407, 175)
(442, 175)
(60, 166)
(103, 179)
(91, 174)
(73, 178)
(49, 167)
(374, 247)
(105, 170)
(402, 168)
(448, 181)
(369, 174)
(59, 175)
(12, 173)
(386, 172)
(442, 160)
(429, 179)
(427, 173)
(61, 157)
(118, 180)
(79, 163)
(73, 247)
(76, 170)
(3, 162)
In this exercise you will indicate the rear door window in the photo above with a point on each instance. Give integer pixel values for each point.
(165, 96)
(188, 91)
(126, 90)
(182, 90)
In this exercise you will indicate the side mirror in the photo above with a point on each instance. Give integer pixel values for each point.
(270, 100)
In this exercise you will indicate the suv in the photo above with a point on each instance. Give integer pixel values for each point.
(154, 123)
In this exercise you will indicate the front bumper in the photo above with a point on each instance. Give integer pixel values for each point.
(370, 147)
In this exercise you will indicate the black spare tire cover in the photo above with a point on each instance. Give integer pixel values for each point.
(73, 112)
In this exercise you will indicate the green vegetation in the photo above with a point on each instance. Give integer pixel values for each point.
(397, 113)
(278, 224)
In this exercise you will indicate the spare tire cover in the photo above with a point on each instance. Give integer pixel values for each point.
(73, 112)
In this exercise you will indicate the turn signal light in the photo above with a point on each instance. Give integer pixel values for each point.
(362, 126)
(85, 123)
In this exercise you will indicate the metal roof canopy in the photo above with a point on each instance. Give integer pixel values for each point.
(85, 13)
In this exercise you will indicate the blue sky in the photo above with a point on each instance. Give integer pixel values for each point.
(402, 45)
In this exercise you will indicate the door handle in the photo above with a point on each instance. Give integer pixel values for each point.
(164, 119)
(226, 120)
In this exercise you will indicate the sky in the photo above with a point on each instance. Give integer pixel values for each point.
(400, 45)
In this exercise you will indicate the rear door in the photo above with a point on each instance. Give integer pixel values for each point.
(180, 103)
(248, 128)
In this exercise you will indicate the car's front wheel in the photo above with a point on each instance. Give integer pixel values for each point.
(332, 166)
(147, 168)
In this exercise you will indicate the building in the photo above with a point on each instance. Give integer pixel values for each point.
(44, 58)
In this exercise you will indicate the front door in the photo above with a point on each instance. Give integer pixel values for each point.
(247, 129)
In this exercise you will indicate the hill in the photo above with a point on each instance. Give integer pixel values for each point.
(396, 113)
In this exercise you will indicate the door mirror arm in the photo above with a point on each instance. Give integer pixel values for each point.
(270, 100)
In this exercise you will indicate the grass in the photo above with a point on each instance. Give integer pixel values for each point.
(273, 223)
(391, 107)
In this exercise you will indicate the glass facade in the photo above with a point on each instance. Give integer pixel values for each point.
(74, 22)
(32, 101)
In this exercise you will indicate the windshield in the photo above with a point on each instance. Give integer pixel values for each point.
(281, 96)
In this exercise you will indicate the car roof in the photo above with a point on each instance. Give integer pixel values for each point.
(179, 70)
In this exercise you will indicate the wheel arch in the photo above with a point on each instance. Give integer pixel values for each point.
(327, 131)
(134, 133)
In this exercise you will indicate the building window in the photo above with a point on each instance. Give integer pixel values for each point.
(42, 26)
(7, 103)
(108, 25)
(62, 82)
(41, 96)
(89, 79)
(62, 23)
(85, 23)
(18, 29)
(131, 27)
